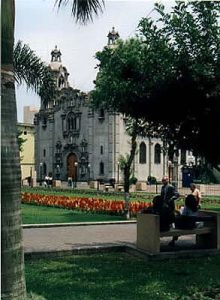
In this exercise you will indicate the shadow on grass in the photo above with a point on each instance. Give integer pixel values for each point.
(121, 276)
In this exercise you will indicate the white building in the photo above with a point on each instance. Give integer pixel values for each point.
(72, 140)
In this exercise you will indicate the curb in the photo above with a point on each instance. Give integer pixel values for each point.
(130, 249)
(76, 251)
(27, 226)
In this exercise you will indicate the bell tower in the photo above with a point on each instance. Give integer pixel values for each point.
(60, 72)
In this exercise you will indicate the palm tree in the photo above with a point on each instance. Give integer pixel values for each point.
(13, 279)
(26, 67)
(83, 10)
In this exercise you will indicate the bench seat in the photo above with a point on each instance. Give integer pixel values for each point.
(149, 234)
(178, 232)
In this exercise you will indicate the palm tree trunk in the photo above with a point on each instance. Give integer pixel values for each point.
(13, 279)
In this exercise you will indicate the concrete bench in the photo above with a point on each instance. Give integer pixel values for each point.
(148, 232)
(56, 183)
(108, 187)
(119, 187)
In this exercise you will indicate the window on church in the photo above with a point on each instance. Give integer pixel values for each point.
(101, 168)
(157, 154)
(44, 122)
(77, 123)
(61, 81)
(101, 114)
(101, 150)
(71, 122)
(44, 152)
(143, 153)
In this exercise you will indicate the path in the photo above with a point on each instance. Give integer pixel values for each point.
(71, 237)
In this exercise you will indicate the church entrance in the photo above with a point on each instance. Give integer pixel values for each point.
(72, 166)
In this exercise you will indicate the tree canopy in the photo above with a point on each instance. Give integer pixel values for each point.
(169, 75)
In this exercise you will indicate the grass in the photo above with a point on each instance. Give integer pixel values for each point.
(33, 214)
(120, 276)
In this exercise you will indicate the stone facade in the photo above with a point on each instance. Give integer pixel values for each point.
(74, 141)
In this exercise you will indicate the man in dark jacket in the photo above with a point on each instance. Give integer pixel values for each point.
(164, 204)
(168, 193)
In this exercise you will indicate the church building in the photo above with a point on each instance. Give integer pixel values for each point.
(74, 141)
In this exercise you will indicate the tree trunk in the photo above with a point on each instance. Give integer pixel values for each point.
(13, 279)
(126, 189)
(127, 173)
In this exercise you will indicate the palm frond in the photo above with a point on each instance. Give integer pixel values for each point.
(30, 69)
(83, 10)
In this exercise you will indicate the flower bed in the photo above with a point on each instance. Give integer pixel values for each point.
(88, 204)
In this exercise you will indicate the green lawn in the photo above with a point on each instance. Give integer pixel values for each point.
(120, 276)
(33, 214)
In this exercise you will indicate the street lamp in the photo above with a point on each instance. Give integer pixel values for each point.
(58, 172)
(89, 166)
(75, 164)
(41, 172)
(118, 173)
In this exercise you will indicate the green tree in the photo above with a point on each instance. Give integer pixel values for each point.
(13, 281)
(134, 128)
(169, 75)
(125, 162)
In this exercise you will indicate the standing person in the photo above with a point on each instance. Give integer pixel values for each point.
(196, 193)
(168, 193)
(164, 204)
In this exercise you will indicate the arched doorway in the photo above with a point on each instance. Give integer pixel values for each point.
(72, 166)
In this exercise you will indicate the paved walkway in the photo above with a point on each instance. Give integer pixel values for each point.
(72, 237)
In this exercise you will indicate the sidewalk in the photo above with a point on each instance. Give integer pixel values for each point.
(81, 236)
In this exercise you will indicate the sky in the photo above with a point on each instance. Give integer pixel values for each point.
(39, 24)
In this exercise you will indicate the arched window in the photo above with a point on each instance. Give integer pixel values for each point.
(101, 150)
(101, 168)
(143, 153)
(61, 81)
(157, 154)
(101, 114)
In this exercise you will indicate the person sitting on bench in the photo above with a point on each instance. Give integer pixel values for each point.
(196, 192)
(164, 204)
(182, 221)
